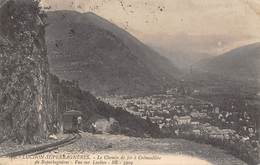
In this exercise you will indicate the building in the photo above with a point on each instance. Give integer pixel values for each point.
(156, 119)
(196, 132)
(195, 124)
(184, 120)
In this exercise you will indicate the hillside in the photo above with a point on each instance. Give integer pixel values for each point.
(67, 95)
(240, 63)
(105, 59)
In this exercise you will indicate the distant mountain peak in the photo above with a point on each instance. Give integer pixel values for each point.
(242, 63)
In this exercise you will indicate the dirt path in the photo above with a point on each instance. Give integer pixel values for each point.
(176, 147)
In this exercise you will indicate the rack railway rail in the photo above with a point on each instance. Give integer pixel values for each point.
(45, 148)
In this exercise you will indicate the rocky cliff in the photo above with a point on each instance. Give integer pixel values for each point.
(25, 97)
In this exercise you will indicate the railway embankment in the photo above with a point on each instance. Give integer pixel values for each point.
(10, 148)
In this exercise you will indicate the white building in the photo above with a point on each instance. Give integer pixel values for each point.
(184, 120)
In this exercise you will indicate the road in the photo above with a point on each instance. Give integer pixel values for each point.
(179, 149)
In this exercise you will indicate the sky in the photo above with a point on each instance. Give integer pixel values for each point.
(199, 27)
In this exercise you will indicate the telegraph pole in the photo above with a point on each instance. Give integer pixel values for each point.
(258, 133)
(191, 69)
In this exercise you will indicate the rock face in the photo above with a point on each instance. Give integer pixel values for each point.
(25, 97)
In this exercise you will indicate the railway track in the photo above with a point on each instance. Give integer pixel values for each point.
(45, 148)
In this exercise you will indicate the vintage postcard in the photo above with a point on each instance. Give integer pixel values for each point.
(129, 82)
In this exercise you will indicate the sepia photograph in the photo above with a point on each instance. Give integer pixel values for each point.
(130, 82)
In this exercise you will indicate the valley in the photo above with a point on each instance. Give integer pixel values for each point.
(222, 124)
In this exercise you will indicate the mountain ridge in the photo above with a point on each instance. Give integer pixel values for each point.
(106, 60)
(242, 62)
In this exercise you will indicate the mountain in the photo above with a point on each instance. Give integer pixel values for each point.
(198, 25)
(105, 59)
(240, 63)
(200, 47)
